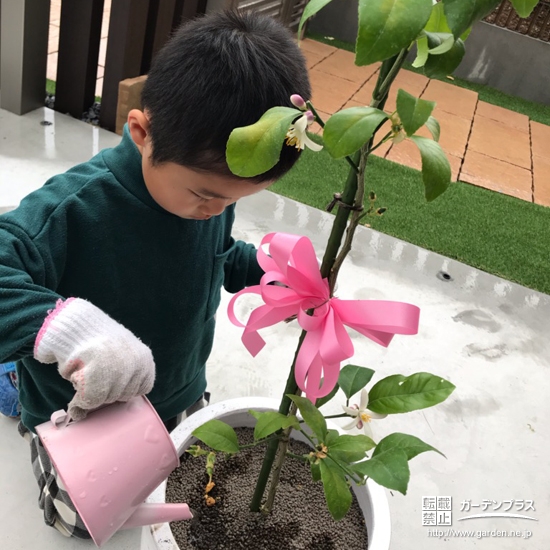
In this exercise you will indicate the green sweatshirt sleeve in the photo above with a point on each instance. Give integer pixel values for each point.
(241, 267)
(27, 276)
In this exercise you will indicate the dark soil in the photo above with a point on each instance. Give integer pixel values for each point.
(91, 116)
(300, 519)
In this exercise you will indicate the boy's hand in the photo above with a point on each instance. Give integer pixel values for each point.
(104, 361)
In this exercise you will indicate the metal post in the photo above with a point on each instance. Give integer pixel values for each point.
(127, 28)
(79, 37)
(23, 54)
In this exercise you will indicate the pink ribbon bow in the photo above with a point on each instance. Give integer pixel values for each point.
(292, 262)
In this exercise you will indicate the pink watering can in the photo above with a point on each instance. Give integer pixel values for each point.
(110, 462)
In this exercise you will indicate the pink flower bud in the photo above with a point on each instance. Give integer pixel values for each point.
(298, 102)
(310, 117)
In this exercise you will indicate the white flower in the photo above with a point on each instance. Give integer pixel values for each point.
(297, 136)
(361, 415)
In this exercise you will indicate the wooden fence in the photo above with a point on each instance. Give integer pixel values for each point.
(137, 29)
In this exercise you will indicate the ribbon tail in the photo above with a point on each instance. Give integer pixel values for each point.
(310, 368)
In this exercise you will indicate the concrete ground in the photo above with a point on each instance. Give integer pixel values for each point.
(486, 335)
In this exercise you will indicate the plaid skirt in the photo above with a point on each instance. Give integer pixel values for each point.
(53, 499)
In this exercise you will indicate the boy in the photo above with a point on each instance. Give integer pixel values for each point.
(110, 274)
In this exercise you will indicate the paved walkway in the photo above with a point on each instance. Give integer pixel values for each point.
(487, 145)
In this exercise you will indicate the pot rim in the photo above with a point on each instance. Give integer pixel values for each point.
(377, 506)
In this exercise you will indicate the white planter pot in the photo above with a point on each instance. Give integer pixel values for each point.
(371, 497)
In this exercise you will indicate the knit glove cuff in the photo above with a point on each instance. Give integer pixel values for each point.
(104, 361)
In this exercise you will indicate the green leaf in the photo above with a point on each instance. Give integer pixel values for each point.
(433, 127)
(524, 7)
(335, 486)
(311, 9)
(389, 469)
(409, 443)
(462, 14)
(388, 26)
(322, 400)
(311, 415)
(270, 421)
(353, 379)
(331, 437)
(436, 170)
(315, 472)
(412, 111)
(218, 435)
(255, 149)
(350, 448)
(401, 394)
(443, 63)
(422, 52)
(438, 22)
(349, 129)
(441, 44)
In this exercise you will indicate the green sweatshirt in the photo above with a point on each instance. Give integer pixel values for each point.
(96, 233)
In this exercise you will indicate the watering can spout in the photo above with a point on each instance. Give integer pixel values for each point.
(149, 514)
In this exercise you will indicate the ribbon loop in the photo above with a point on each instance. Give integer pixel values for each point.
(292, 286)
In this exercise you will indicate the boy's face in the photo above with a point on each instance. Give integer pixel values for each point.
(194, 195)
(185, 192)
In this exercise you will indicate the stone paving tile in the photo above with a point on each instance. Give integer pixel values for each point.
(496, 175)
(315, 127)
(313, 58)
(102, 52)
(501, 142)
(364, 94)
(317, 47)
(51, 67)
(540, 139)
(407, 153)
(409, 81)
(451, 99)
(99, 86)
(55, 12)
(541, 180)
(456, 166)
(106, 19)
(505, 116)
(455, 131)
(53, 39)
(330, 92)
(342, 64)
(383, 150)
(412, 83)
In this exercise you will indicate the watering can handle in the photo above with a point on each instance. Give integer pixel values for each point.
(60, 418)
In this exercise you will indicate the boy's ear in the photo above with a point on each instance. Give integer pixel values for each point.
(138, 125)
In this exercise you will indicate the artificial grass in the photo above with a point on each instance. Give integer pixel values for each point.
(535, 111)
(50, 86)
(496, 233)
(50, 89)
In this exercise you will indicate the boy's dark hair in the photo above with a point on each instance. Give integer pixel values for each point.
(217, 73)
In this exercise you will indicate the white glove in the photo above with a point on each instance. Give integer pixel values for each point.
(104, 361)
